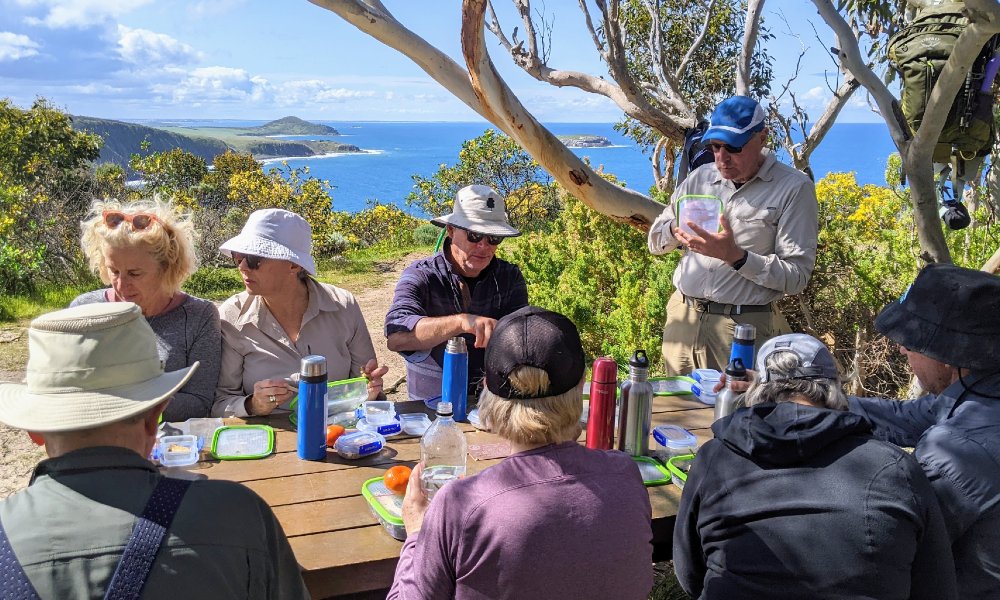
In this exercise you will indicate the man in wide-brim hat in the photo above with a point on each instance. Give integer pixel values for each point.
(460, 291)
(948, 326)
(98, 518)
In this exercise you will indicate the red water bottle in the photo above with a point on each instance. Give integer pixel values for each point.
(603, 396)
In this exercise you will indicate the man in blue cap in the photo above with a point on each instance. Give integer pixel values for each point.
(763, 247)
(947, 324)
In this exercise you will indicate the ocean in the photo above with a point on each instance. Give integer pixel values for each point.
(395, 151)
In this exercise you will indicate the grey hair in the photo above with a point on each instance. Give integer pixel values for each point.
(819, 391)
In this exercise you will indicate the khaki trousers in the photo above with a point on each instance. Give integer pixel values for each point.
(699, 340)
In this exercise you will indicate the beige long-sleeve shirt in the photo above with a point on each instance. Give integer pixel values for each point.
(773, 217)
(256, 347)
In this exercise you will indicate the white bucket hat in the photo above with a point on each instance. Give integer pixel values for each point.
(275, 233)
(88, 366)
(480, 209)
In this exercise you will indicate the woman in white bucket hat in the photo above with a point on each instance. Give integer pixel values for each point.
(283, 315)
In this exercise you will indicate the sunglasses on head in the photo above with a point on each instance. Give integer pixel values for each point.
(475, 238)
(253, 262)
(715, 147)
(138, 221)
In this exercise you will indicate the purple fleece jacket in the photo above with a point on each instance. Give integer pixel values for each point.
(559, 521)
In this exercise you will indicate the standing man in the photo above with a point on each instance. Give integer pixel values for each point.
(98, 518)
(947, 324)
(765, 246)
(461, 290)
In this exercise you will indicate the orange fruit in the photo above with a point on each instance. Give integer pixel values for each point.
(396, 478)
(332, 433)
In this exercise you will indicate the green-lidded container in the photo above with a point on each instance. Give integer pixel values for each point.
(242, 442)
(342, 397)
(653, 473)
(678, 385)
(703, 210)
(386, 506)
(678, 467)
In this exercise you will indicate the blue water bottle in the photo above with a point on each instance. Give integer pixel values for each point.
(744, 338)
(455, 377)
(312, 408)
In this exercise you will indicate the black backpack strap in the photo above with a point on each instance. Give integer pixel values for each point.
(143, 545)
(13, 580)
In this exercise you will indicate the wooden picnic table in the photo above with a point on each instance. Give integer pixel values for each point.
(339, 544)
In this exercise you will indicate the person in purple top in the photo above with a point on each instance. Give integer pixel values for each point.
(554, 519)
(461, 290)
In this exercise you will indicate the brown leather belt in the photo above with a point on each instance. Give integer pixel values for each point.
(716, 308)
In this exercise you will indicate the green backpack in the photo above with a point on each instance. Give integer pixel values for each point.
(919, 52)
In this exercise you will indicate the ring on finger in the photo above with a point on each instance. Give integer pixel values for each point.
(272, 399)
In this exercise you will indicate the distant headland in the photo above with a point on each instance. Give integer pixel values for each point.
(585, 141)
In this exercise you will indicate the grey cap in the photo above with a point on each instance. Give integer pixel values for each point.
(815, 359)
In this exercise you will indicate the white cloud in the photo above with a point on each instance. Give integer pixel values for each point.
(148, 48)
(14, 46)
(64, 14)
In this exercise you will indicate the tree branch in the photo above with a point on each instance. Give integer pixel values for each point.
(697, 41)
(822, 125)
(751, 29)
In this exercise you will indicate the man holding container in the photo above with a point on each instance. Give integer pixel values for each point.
(763, 249)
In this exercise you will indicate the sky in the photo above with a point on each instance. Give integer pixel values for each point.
(261, 59)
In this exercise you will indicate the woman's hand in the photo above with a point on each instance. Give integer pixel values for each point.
(415, 502)
(738, 386)
(268, 394)
(374, 373)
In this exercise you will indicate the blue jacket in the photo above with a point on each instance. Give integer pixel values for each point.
(956, 439)
(791, 501)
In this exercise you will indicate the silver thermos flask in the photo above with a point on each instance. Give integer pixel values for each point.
(635, 407)
(728, 399)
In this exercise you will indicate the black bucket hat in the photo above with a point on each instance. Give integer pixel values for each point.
(534, 337)
(950, 314)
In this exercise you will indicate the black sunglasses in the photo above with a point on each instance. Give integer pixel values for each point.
(715, 147)
(253, 262)
(475, 238)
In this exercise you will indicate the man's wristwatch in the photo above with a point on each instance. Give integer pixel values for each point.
(739, 264)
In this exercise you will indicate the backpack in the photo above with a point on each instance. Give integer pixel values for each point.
(695, 152)
(918, 52)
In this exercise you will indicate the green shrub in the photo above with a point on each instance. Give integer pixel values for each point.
(214, 283)
(426, 234)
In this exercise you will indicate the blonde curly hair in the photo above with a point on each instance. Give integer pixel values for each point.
(170, 240)
(538, 421)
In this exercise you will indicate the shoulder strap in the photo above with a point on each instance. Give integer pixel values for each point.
(13, 580)
(144, 543)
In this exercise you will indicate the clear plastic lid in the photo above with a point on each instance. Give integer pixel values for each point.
(673, 436)
(379, 412)
(177, 450)
(359, 444)
(702, 210)
(703, 375)
(417, 423)
(243, 441)
(392, 428)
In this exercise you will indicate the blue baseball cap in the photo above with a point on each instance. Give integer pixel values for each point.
(734, 121)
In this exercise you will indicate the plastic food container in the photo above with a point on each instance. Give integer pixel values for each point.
(653, 473)
(388, 430)
(379, 412)
(706, 395)
(702, 210)
(346, 395)
(417, 423)
(705, 375)
(678, 467)
(359, 444)
(178, 450)
(672, 441)
(475, 421)
(671, 386)
(386, 506)
(242, 442)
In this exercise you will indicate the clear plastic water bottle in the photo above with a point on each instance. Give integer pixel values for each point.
(442, 452)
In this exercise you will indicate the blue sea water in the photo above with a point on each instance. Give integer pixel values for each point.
(395, 151)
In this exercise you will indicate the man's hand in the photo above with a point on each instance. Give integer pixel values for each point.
(415, 502)
(481, 327)
(720, 245)
(374, 373)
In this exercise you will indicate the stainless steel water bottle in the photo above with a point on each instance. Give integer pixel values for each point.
(312, 408)
(744, 339)
(603, 392)
(636, 407)
(727, 400)
(455, 377)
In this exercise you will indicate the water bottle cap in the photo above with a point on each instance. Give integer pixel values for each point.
(639, 360)
(736, 368)
(444, 409)
(313, 365)
(745, 333)
(456, 345)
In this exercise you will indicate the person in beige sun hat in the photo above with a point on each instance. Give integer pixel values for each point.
(98, 517)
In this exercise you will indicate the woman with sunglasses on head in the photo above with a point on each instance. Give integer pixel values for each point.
(145, 252)
(283, 315)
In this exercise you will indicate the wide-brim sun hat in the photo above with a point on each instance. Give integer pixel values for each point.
(734, 121)
(950, 314)
(277, 234)
(89, 366)
(480, 209)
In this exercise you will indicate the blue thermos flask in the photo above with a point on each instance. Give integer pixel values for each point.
(455, 377)
(312, 408)
(744, 339)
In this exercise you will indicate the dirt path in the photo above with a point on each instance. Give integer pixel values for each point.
(19, 455)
